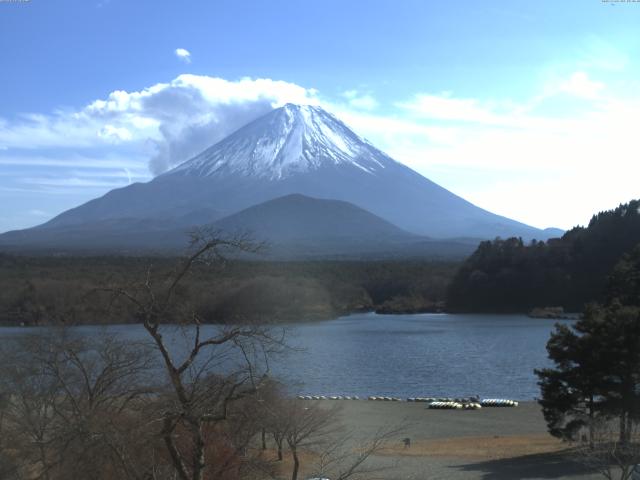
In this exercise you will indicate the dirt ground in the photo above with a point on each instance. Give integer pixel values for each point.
(480, 448)
(491, 443)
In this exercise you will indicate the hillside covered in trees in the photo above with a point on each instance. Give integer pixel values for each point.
(70, 290)
(511, 276)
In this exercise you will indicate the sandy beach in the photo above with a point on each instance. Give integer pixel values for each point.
(491, 443)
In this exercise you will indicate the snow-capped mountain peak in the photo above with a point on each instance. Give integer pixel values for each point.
(288, 140)
(292, 150)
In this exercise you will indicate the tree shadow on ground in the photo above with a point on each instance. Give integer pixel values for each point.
(541, 465)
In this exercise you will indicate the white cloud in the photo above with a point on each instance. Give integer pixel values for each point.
(183, 54)
(580, 85)
(512, 158)
(539, 160)
(99, 162)
(173, 120)
(447, 107)
(360, 101)
(76, 182)
(117, 134)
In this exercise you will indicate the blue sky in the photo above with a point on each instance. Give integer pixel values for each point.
(525, 108)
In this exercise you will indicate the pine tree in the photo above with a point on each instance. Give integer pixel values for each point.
(597, 361)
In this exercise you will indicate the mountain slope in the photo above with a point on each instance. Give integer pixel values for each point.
(297, 226)
(298, 218)
(288, 141)
(293, 227)
(291, 150)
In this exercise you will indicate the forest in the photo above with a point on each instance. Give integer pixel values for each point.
(39, 290)
(107, 408)
(502, 275)
(507, 275)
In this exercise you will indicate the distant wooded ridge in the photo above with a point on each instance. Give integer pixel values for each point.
(511, 276)
(503, 275)
(67, 290)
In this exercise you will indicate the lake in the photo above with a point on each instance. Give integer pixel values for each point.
(426, 355)
(421, 355)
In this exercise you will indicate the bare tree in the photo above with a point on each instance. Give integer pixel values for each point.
(70, 405)
(238, 435)
(29, 410)
(308, 427)
(272, 415)
(606, 454)
(8, 467)
(345, 457)
(78, 408)
(316, 429)
(218, 367)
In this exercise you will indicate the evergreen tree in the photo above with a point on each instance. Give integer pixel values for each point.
(624, 282)
(570, 391)
(509, 276)
(597, 361)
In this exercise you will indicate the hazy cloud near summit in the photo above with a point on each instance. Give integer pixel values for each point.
(189, 124)
(193, 112)
(531, 151)
(169, 122)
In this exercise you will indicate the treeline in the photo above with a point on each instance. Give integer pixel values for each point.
(71, 290)
(511, 276)
(186, 403)
(591, 396)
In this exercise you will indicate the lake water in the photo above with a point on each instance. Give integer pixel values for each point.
(426, 355)
(421, 355)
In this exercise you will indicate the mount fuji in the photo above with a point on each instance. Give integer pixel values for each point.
(294, 152)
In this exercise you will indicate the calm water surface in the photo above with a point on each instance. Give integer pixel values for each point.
(405, 355)
(421, 355)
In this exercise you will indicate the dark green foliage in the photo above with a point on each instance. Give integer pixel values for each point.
(624, 281)
(509, 276)
(45, 290)
(597, 362)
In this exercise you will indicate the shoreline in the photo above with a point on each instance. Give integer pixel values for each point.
(285, 322)
(495, 443)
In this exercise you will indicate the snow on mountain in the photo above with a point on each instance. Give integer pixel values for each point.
(291, 150)
(293, 139)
